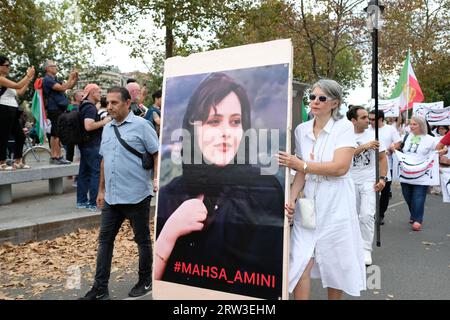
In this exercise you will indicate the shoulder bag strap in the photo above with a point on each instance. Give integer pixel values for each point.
(125, 145)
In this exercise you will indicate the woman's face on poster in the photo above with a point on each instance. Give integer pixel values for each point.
(220, 135)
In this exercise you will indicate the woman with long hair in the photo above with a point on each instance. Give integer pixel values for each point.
(10, 114)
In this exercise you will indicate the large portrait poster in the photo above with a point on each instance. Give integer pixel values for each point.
(220, 225)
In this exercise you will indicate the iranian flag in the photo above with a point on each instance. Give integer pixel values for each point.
(407, 88)
(38, 110)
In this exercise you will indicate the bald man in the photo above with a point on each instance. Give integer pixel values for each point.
(135, 92)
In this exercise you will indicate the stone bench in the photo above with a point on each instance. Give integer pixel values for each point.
(53, 173)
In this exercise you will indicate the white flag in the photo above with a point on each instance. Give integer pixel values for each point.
(429, 105)
(445, 185)
(391, 107)
(435, 117)
(407, 169)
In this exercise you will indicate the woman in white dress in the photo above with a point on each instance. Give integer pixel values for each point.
(333, 250)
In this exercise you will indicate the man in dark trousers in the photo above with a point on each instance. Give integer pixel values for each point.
(92, 126)
(56, 103)
(125, 191)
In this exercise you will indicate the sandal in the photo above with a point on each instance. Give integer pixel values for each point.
(5, 167)
(21, 165)
(417, 226)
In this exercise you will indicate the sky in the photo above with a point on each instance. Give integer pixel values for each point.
(118, 55)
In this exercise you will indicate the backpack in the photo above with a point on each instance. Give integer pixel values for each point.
(70, 128)
(150, 116)
(60, 100)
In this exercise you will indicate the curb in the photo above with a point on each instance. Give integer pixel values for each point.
(48, 230)
(52, 229)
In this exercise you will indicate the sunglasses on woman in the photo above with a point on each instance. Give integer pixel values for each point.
(313, 97)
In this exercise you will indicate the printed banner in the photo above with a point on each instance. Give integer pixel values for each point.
(435, 117)
(391, 107)
(220, 230)
(429, 105)
(408, 169)
(445, 184)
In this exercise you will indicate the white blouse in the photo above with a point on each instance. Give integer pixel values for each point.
(9, 98)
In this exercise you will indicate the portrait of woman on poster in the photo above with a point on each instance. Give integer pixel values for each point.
(218, 212)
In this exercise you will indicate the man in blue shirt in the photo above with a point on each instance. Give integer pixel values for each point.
(56, 103)
(125, 192)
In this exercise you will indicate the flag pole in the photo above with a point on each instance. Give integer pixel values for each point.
(407, 88)
(374, 16)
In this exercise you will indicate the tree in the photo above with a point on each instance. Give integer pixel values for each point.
(320, 32)
(31, 32)
(183, 21)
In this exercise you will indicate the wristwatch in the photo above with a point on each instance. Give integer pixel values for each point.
(305, 166)
(384, 178)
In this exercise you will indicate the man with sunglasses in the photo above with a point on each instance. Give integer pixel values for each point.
(390, 137)
(363, 174)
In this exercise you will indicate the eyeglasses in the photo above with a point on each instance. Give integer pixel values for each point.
(313, 97)
(371, 119)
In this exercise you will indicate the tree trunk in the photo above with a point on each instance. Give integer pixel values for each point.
(169, 42)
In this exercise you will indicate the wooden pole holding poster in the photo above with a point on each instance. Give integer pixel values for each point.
(221, 232)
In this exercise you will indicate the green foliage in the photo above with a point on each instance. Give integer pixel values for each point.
(32, 31)
(421, 26)
(319, 33)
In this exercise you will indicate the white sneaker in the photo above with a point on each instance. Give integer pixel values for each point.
(367, 257)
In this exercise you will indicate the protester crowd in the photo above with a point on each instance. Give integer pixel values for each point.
(334, 161)
(335, 184)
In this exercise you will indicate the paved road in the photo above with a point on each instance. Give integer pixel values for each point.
(412, 265)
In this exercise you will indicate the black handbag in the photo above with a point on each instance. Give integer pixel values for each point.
(146, 157)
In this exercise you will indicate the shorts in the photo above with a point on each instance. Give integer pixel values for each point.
(53, 116)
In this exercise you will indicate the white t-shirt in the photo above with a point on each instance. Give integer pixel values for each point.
(9, 98)
(388, 135)
(363, 164)
(419, 146)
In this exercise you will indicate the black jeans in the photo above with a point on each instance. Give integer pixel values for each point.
(10, 125)
(111, 219)
(384, 198)
(70, 150)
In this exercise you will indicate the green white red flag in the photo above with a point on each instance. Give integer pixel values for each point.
(407, 89)
(38, 110)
